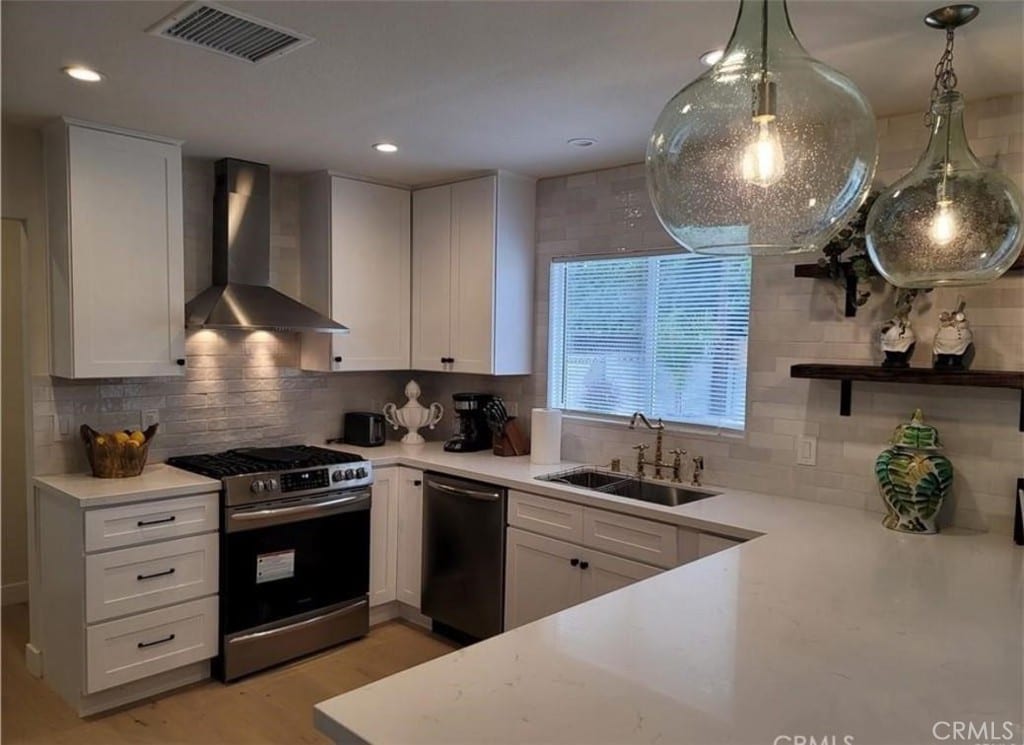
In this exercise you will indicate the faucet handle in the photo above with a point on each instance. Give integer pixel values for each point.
(677, 451)
(642, 447)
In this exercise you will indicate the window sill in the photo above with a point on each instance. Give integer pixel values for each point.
(688, 430)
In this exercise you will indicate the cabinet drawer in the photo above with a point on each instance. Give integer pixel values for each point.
(119, 652)
(632, 537)
(562, 520)
(708, 543)
(129, 524)
(144, 577)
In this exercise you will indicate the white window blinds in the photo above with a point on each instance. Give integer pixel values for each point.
(662, 334)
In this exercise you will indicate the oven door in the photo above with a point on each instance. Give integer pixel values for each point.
(289, 557)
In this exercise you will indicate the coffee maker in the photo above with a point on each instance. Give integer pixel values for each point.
(472, 430)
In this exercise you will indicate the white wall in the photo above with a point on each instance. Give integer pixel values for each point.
(801, 320)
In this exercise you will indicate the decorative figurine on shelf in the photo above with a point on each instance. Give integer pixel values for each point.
(953, 348)
(913, 477)
(413, 415)
(898, 338)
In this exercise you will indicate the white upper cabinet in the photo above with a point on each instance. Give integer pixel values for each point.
(114, 204)
(472, 287)
(355, 268)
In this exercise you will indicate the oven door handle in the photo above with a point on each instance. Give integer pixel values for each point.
(287, 514)
(484, 496)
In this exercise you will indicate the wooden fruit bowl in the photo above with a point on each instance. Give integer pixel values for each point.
(111, 459)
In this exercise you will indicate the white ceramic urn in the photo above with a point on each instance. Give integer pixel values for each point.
(413, 416)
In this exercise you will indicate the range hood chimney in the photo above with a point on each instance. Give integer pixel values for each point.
(241, 296)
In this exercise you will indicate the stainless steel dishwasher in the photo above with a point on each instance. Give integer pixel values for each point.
(463, 556)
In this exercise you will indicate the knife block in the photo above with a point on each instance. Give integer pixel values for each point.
(511, 441)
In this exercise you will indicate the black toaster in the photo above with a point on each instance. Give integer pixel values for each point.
(364, 428)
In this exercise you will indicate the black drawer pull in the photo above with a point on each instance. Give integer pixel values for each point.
(143, 523)
(180, 361)
(584, 565)
(157, 574)
(338, 358)
(417, 482)
(168, 638)
(574, 562)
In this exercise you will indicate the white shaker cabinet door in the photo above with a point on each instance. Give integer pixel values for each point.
(542, 576)
(410, 536)
(431, 278)
(472, 294)
(384, 536)
(605, 573)
(116, 222)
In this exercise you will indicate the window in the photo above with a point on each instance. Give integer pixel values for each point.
(664, 334)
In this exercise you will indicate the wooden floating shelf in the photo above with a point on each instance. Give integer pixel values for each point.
(817, 271)
(846, 374)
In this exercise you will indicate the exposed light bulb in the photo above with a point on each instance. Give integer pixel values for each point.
(763, 161)
(944, 224)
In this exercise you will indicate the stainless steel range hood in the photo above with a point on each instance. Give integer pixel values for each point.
(241, 296)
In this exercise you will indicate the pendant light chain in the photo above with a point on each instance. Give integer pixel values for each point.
(945, 77)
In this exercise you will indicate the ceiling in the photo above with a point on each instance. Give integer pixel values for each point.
(462, 87)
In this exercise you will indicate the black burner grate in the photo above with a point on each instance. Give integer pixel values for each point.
(243, 461)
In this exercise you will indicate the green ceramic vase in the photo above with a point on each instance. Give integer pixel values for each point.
(914, 477)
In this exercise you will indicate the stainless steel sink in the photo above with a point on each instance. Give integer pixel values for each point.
(630, 487)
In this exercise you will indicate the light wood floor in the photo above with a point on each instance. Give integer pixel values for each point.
(270, 707)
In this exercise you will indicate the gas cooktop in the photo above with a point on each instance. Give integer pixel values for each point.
(244, 461)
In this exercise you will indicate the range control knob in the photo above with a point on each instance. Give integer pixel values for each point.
(337, 476)
(349, 474)
(271, 484)
(360, 473)
(256, 487)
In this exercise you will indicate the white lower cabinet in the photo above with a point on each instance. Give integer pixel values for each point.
(125, 596)
(544, 576)
(540, 577)
(384, 536)
(607, 573)
(410, 536)
(559, 554)
(396, 519)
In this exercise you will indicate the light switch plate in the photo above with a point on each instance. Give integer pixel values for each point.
(806, 450)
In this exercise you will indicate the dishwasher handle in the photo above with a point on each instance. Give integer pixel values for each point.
(483, 496)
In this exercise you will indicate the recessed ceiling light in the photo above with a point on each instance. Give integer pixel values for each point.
(386, 147)
(85, 74)
(582, 141)
(712, 57)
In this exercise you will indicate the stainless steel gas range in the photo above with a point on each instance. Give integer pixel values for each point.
(294, 552)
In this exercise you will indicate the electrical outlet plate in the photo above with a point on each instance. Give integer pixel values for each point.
(806, 450)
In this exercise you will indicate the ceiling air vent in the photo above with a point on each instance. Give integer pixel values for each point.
(228, 32)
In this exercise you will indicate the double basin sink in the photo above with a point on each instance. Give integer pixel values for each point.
(630, 487)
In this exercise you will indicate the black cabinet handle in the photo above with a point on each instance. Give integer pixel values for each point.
(338, 358)
(574, 562)
(584, 565)
(168, 638)
(447, 360)
(417, 482)
(156, 574)
(180, 361)
(142, 523)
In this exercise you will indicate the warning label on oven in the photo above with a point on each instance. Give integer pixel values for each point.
(274, 566)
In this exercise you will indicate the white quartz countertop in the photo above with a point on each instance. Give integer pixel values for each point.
(155, 482)
(826, 625)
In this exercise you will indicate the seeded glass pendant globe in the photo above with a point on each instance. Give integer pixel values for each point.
(768, 152)
(950, 221)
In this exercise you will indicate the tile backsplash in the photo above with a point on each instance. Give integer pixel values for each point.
(800, 320)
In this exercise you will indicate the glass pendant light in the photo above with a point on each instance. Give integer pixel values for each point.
(950, 221)
(768, 152)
